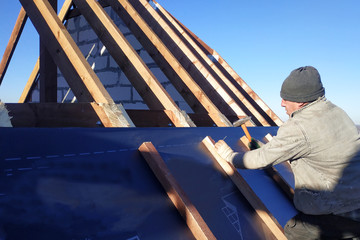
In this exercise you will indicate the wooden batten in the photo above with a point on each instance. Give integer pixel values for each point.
(187, 210)
(68, 57)
(30, 84)
(171, 67)
(130, 62)
(273, 227)
(187, 59)
(277, 177)
(14, 38)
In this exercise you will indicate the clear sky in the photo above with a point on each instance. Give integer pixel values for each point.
(262, 40)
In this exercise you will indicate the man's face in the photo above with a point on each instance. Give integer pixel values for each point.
(290, 107)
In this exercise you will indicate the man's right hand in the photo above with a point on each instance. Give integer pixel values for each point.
(254, 144)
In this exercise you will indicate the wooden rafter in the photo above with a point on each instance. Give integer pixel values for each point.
(187, 210)
(209, 84)
(175, 72)
(130, 62)
(68, 57)
(14, 38)
(235, 93)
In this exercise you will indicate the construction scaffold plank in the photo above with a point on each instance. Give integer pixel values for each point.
(183, 204)
(175, 72)
(130, 62)
(68, 57)
(274, 228)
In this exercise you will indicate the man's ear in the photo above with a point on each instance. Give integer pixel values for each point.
(303, 104)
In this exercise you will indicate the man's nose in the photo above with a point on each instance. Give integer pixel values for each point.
(282, 102)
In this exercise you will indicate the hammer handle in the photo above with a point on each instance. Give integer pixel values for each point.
(246, 132)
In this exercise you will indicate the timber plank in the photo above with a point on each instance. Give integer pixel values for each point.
(130, 62)
(83, 115)
(68, 57)
(180, 200)
(274, 227)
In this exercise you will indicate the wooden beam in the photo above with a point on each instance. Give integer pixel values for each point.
(83, 115)
(171, 67)
(31, 81)
(53, 115)
(283, 182)
(273, 226)
(146, 84)
(14, 38)
(188, 60)
(228, 85)
(48, 70)
(25, 95)
(176, 194)
(68, 57)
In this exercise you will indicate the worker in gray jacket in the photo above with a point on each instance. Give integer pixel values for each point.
(322, 145)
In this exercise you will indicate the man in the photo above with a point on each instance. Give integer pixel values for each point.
(322, 145)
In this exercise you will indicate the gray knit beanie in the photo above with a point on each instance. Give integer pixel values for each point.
(302, 85)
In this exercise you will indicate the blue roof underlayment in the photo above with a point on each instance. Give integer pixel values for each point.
(86, 183)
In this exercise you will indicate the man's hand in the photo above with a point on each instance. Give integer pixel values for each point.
(254, 144)
(224, 150)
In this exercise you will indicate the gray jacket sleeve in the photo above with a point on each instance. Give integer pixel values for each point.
(289, 144)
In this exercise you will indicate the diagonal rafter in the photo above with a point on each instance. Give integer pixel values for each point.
(230, 73)
(189, 61)
(14, 38)
(229, 85)
(130, 62)
(68, 57)
(175, 72)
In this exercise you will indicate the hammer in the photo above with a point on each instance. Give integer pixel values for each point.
(241, 122)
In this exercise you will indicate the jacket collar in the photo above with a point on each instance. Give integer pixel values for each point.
(320, 99)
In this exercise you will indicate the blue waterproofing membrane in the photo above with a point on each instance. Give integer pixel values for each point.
(92, 183)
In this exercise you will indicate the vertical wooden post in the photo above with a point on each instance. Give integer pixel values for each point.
(48, 70)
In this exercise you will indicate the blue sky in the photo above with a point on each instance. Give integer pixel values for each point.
(262, 40)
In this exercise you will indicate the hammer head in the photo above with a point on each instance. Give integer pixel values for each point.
(241, 121)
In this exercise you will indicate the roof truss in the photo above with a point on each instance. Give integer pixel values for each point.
(211, 88)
